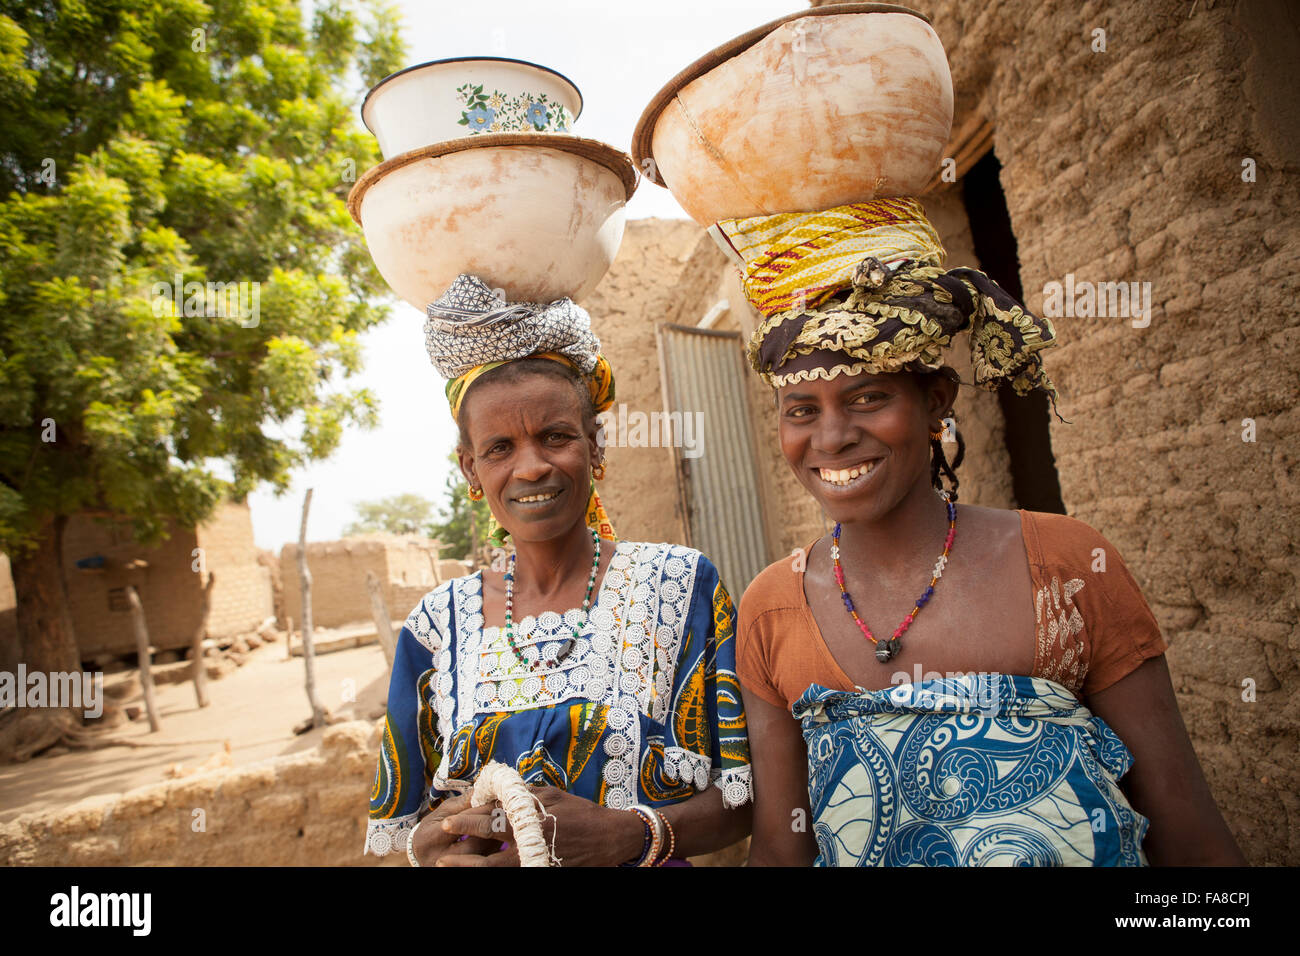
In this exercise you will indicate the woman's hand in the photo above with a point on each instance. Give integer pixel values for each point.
(584, 833)
(432, 843)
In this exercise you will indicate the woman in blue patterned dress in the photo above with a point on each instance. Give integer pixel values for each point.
(602, 670)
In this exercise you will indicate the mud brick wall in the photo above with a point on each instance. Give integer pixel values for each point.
(404, 598)
(242, 595)
(409, 559)
(636, 295)
(1127, 165)
(338, 580)
(304, 809)
(338, 568)
(268, 560)
(449, 568)
(170, 592)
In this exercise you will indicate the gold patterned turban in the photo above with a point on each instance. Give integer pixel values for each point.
(865, 279)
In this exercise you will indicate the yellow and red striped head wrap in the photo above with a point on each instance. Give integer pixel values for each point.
(865, 279)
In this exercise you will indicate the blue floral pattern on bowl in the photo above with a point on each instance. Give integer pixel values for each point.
(480, 118)
(496, 112)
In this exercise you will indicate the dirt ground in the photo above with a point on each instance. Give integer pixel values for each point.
(254, 708)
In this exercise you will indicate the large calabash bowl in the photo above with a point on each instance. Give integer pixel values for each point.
(538, 221)
(466, 96)
(838, 104)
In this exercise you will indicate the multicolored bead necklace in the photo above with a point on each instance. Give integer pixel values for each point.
(887, 649)
(586, 605)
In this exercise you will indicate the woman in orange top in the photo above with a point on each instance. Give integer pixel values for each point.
(984, 718)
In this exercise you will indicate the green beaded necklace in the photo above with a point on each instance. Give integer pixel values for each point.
(586, 605)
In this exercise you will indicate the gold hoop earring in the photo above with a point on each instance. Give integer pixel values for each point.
(598, 471)
(474, 494)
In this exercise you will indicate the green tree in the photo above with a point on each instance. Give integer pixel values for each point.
(462, 524)
(396, 514)
(146, 140)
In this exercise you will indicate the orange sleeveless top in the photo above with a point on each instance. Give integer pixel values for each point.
(1093, 626)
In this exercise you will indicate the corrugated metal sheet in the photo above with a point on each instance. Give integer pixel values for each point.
(703, 371)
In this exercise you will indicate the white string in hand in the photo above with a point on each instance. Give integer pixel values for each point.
(497, 781)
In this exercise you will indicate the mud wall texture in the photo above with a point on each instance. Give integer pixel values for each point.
(303, 809)
(401, 563)
(243, 594)
(170, 592)
(170, 589)
(647, 285)
(1170, 157)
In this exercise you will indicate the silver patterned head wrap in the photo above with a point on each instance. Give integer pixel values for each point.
(472, 325)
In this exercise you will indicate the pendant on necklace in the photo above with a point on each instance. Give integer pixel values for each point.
(887, 649)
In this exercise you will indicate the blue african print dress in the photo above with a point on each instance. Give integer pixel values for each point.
(980, 770)
(645, 708)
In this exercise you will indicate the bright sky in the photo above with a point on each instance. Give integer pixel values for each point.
(619, 54)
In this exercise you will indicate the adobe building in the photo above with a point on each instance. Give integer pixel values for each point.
(406, 565)
(1161, 150)
(101, 558)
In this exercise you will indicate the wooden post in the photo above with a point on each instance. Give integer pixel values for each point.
(383, 623)
(196, 646)
(308, 652)
(142, 656)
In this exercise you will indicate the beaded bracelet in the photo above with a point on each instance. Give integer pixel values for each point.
(645, 847)
(672, 839)
(655, 840)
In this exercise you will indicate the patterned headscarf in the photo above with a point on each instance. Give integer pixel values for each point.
(472, 329)
(865, 279)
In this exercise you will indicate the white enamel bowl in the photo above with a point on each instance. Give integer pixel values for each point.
(449, 99)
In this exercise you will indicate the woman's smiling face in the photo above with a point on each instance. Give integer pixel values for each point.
(860, 443)
(531, 452)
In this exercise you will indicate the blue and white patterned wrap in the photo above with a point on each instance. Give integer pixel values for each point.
(980, 770)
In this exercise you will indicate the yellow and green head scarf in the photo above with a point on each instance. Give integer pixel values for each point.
(865, 279)
(472, 329)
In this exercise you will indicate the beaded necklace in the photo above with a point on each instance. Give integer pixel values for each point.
(887, 649)
(510, 606)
